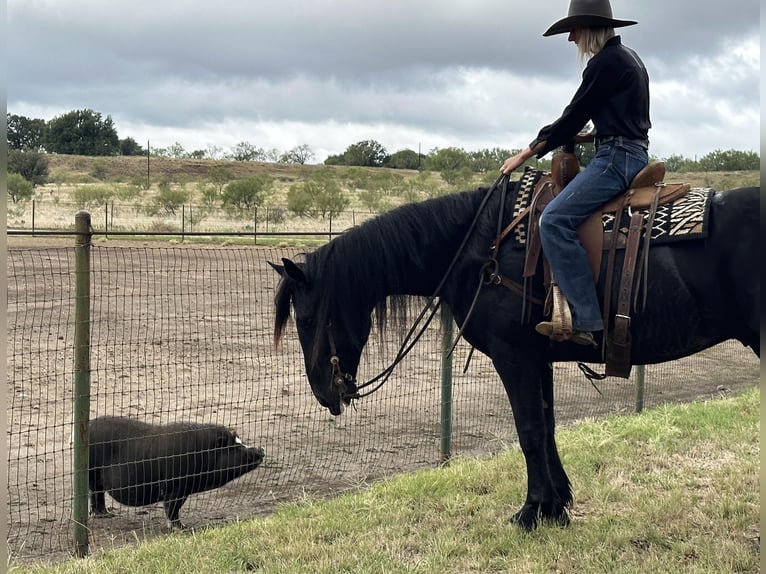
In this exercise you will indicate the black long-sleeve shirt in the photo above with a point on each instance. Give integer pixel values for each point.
(614, 94)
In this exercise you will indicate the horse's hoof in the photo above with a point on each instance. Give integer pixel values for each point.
(529, 517)
(526, 518)
(561, 520)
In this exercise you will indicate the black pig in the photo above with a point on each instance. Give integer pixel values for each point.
(139, 463)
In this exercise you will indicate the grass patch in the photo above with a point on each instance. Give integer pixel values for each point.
(675, 489)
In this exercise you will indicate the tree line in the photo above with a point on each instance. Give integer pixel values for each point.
(87, 132)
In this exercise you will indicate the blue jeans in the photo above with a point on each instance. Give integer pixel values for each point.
(608, 174)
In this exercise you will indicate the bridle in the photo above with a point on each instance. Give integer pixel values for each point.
(341, 379)
(338, 377)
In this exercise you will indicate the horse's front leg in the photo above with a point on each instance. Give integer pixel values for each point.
(559, 477)
(528, 381)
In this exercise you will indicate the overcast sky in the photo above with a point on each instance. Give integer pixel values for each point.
(417, 74)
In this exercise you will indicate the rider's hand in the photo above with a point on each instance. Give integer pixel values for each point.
(512, 163)
(516, 161)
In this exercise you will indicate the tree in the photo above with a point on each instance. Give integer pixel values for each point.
(82, 132)
(245, 151)
(19, 189)
(31, 165)
(169, 199)
(372, 199)
(273, 155)
(674, 162)
(219, 176)
(243, 195)
(487, 160)
(299, 155)
(214, 151)
(367, 153)
(405, 159)
(321, 194)
(129, 146)
(447, 159)
(457, 178)
(25, 133)
(729, 160)
(176, 151)
(452, 163)
(300, 198)
(331, 200)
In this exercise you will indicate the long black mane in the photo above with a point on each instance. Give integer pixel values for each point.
(384, 250)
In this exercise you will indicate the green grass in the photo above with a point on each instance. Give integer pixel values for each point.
(675, 489)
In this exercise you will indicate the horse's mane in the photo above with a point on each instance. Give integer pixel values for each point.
(382, 250)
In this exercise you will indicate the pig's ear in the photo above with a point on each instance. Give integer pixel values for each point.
(238, 441)
(293, 271)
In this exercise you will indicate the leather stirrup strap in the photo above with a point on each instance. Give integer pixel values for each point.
(642, 279)
(609, 277)
(618, 350)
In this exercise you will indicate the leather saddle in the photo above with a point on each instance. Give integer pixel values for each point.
(646, 192)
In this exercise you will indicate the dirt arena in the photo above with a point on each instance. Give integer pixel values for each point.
(184, 332)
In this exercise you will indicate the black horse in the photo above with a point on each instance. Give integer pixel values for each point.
(700, 292)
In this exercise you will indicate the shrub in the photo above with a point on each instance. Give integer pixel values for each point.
(19, 189)
(31, 165)
(88, 197)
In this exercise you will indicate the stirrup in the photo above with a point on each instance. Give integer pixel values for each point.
(561, 316)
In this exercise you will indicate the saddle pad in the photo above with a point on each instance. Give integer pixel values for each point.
(685, 218)
(524, 191)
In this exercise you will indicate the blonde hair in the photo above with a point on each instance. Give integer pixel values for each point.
(591, 41)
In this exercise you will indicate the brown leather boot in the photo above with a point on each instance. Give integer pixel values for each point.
(577, 337)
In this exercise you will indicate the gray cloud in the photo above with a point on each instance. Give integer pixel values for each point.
(458, 71)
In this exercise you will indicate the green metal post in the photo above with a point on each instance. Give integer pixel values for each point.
(448, 338)
(81, 383)
(640, 387)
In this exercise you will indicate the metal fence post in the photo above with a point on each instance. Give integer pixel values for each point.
(81, 413)
(640, 387)
(446, 376)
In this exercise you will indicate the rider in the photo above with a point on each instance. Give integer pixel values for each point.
(614, 95)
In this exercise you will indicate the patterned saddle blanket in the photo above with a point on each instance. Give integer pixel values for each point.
(682, 219)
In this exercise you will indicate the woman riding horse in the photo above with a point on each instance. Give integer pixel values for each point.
(614, 94)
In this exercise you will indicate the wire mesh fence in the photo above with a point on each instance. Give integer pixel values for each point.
(121, 216)
(184, 333)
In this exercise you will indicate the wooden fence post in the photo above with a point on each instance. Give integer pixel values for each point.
(81, 413)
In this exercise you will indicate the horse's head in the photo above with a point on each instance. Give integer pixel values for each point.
(332, 330)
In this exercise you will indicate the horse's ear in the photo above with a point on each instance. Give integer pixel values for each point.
(293, 271)
(278, 268)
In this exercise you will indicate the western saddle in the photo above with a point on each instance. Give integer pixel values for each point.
(646, 192)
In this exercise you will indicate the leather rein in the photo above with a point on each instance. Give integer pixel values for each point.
(488, 275)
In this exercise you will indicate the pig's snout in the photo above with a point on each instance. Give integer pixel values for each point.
(257, 454)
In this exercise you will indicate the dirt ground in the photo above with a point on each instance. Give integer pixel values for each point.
(185, 333)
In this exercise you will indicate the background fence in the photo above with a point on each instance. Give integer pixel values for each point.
(120, 216)
(185, 333)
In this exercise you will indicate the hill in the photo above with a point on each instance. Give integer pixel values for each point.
(125, 168)
(79, 169)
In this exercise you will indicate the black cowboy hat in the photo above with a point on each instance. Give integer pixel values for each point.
(587, 14)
